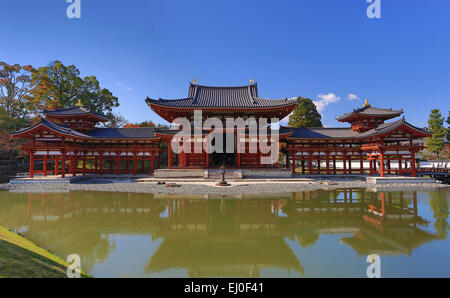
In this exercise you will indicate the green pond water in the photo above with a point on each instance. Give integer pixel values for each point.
(304, 234)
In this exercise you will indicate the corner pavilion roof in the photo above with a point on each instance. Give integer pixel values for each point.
(62, 129)
(75, 111)
(371, 111)
(97, 133)
(222, 97)
(347, 132)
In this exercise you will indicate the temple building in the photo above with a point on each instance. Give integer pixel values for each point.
(70, 139)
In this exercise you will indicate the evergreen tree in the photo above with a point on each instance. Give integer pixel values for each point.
(305, 114)
(435, 143)
(57, 85)
(448, 128)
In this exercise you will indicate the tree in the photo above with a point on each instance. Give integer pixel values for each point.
(95, 98)
(142, 124)
(439, 206)
(57, 85)
(435, 143)
(163, 126)
(116, 120)
(15, 85)
(448, 128)
(305, 114)
(9, 147)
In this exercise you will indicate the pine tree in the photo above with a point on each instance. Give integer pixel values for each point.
(448, 128)
(435, 143)
(305, 114)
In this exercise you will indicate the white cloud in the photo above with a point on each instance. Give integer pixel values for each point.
(352, 96)
(122, 84)
(325, 99)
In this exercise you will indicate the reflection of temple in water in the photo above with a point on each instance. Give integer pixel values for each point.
(220, 237)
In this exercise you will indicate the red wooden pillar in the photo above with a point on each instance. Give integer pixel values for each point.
(293, 161)
(84, 164)
(63, 164)
(361, 164)
(152, 168)
(400, 166)
(310, 162)
(134, 163)
(370, 165)
(259, 157)
(74, 165)
(169, 153)
(328, 162)
(117, 162)
(45, 165)
(413, 164)
(318, 163)
(31, 163)
(334, 163)
(303, 164)
(388, 165)
(101, 163)
(381, 165)
(70, 165)
(56, 166)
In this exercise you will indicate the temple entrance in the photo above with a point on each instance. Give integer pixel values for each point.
(228, 159)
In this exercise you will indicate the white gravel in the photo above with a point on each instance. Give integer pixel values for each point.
(202, 189)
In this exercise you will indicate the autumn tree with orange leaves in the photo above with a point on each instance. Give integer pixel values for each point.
(17, 107)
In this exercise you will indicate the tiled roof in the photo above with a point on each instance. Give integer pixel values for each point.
(222, 97)
(386, 127)
(322, 133)
(371, 111)
(339, 133)
(55, 127)
(123, 133)
(75, 111)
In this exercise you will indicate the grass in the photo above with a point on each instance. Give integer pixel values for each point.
(20, 258)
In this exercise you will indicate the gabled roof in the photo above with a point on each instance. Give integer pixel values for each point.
(62, 129)
(75, 111)
(222, 97)
(387, 127)
(371, 111)
(347, 133)
(98, 133)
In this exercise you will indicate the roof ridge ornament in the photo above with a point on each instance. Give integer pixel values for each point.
(194, 81)
(366, 104)
(79, 104)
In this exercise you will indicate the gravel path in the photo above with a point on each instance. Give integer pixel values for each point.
(201, 189)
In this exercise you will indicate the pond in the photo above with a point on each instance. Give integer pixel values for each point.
(303, 234)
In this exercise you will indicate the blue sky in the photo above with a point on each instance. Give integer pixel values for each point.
(322, 49)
